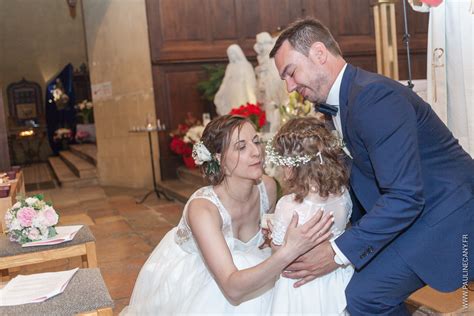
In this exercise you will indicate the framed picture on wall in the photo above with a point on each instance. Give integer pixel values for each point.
(26, 111)
(24, 101)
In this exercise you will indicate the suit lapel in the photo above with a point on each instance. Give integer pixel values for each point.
(346, 83)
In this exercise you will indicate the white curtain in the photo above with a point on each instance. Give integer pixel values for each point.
(450, 77)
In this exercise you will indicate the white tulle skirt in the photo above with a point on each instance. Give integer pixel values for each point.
(175, 282)
(322, 296)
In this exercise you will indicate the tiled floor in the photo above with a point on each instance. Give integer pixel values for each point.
(125, 232)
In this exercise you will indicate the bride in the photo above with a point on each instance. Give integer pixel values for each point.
(211, 262)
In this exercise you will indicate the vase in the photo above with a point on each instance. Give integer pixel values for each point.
(64, 144)
(89, 129)
(189, 162)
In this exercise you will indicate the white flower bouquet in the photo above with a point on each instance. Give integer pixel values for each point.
(85, 111)
(194, 134)
(31, 219)
(62, 133)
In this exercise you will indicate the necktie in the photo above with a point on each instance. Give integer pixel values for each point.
(326, 109)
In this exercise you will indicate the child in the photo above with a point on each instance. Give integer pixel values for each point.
(315, 178)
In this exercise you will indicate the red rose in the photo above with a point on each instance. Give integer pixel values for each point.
(262, 119)
(253, 112)
(177, 145)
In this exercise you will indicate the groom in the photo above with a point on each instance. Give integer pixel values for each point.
(411, 180)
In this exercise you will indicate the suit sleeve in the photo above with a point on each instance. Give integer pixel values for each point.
(385, 123)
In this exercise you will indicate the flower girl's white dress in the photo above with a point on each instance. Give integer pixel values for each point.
(175, 280)
(324, 295)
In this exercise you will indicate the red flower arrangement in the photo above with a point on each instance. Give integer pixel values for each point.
(179, 146)
(253, 112)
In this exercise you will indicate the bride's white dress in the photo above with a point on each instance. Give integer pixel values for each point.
(175, 280)
(324, 295)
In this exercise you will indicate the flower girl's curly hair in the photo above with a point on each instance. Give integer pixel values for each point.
(308, 136)
(216, 137)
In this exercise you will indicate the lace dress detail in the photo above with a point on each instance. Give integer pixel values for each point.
(184, 237)
(340, 205)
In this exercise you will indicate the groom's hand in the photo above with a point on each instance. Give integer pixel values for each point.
(315, 263)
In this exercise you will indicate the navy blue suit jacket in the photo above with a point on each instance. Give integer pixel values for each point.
(406, 167)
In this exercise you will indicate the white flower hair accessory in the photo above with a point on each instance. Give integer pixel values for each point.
(288, 161)
(200, 153)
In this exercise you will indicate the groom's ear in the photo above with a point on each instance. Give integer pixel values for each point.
(218, 157)
(318, 53)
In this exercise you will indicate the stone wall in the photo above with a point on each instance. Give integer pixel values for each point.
(119, 58)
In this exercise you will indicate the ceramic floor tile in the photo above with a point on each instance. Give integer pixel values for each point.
(75, 219)
(96, 213)
(108, 219)
(111, 229)
(154, 236)
(120, 277)
(90, 193)
(120, 248)
(95, 203)
(73, 209)
(145, 219)
(127, 205)
(172, 213)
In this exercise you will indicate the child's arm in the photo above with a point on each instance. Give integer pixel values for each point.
(281, 220)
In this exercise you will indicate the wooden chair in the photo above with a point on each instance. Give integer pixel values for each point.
(427, 301)
(13, 256)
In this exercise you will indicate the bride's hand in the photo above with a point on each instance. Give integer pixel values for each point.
(300, 239)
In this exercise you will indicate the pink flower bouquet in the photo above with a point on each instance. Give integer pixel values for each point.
(31, 219)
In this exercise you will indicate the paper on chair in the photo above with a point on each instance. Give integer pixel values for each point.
(35, 288)
(64, 233)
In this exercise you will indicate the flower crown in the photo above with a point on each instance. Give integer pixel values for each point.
(201, 155)
(288, 161)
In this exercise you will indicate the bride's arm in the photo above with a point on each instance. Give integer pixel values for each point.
(205, 223)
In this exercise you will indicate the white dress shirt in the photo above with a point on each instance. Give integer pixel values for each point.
(333, 99)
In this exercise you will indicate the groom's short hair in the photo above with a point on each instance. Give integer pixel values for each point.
(302, 34)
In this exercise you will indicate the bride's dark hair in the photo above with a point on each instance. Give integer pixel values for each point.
(216, 138)
(308, 136)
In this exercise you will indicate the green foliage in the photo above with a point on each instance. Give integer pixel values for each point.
(208, 88)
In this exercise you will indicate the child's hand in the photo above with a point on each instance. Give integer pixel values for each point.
(267, 235)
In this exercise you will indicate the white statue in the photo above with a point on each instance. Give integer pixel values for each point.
(239, 84)
(271, 90)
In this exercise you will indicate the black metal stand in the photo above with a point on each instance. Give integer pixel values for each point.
(156, 190)
(406, 41)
